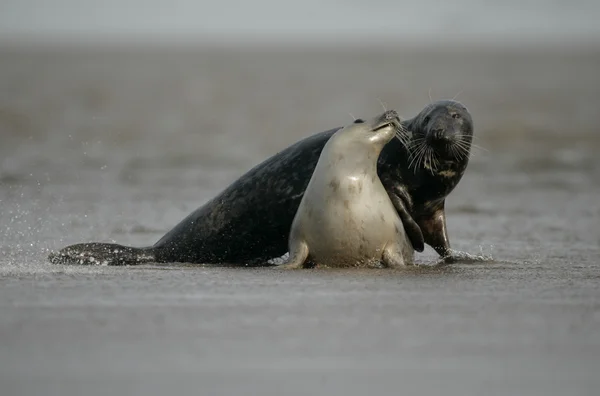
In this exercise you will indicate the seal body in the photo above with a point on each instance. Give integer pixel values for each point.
(249, 222)
(346, 217)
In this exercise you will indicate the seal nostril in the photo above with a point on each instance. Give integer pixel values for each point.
(438, 134)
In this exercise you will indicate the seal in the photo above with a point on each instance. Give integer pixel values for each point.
(346, 217)
(249, 222)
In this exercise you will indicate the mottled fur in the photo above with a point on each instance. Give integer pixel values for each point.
(346, 218)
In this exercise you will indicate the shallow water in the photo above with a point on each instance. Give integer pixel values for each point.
(121, 145)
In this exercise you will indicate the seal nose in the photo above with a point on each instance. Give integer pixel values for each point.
(437, 137)
(390, 115)
(438, 134)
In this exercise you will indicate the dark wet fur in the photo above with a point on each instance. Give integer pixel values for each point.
(427, 189)
(249, 222)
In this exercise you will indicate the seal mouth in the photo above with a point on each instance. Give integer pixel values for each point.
(383, 126)
(389, 122)
(440, 144)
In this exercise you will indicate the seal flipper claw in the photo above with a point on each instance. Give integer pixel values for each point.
(96, 253)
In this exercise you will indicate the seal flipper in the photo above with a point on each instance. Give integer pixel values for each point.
(412, 229)
(298, 255)
(433, 225)
(96, 253)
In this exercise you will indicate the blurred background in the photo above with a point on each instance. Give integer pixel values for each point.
(136, 112)
(312, 21)
(120, 117)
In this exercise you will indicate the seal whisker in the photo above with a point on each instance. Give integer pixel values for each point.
(433, 160)
(429, 159)
(416, 157)
(465, 135)
(457, 152)
(402, 128)
(453, 151)
(478, 147)
(404, 141)
(462, 144)
(464, 152)
(402, 135)
(456, 96)
(401, 132)
(460, 149)
(465, 146)
(418, 141)
(352, 115)
(412, 156)
(382, 104)
(429, 93)
(423, 157)
(418, 145)
(418, 160)
(464, 139)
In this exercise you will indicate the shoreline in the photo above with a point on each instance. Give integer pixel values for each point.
(528, 45)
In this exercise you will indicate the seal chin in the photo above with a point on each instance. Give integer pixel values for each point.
(383, 128)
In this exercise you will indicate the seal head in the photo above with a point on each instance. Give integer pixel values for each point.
(447, 128)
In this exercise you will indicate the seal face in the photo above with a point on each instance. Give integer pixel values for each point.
(249, 222)
(345, 217)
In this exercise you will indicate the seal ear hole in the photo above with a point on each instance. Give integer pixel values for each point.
(359, 121)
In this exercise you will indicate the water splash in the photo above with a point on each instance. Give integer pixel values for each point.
(460, 257)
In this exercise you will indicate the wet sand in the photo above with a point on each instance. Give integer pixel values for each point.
(119, 145)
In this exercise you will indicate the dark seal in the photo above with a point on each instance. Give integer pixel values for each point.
(249, 222)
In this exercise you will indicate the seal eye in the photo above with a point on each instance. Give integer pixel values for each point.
(426, 119)
(359, 121)
(456, 116)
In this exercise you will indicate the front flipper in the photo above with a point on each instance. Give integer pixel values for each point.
(412, 229)
(433, 225)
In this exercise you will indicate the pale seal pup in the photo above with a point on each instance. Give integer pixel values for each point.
(346, 217)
